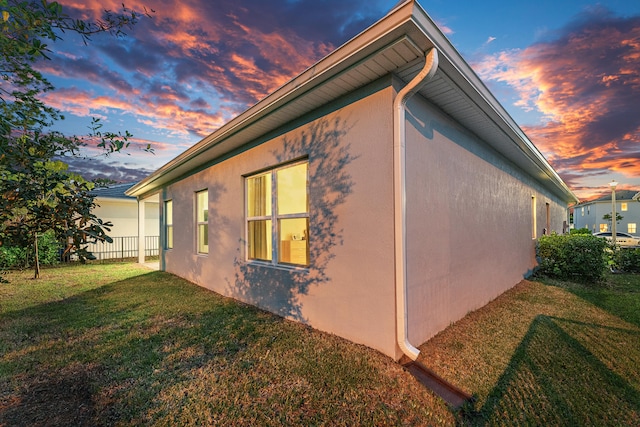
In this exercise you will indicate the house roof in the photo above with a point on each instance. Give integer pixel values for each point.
(621, 195)
(395, 44)
(116, 191)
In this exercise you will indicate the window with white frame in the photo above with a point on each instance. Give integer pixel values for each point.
(623, 207)
(631, 228)
(277, 217)
(582, 211)
(604, 227)
(202, 221)
(168, 224)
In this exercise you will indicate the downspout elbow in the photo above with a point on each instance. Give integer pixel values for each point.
(400, 230)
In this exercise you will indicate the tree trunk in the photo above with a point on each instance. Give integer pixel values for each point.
(37, 260)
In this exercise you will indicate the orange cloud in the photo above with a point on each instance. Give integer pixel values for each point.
(168, 116)
(195, 64)
(586, 85)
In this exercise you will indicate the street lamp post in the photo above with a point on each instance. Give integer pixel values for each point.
(613, 185)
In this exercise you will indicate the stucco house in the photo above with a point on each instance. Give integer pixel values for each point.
(590, 214)
(380, 195)
(112, 204)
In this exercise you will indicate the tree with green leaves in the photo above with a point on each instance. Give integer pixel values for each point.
(607, 217)
(37, 192)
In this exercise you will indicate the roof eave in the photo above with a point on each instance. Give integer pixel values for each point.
(409, 21)
(456, 68)
(340, 59)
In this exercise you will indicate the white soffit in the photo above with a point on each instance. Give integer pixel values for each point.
(269, 116)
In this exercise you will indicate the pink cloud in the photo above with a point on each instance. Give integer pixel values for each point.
(166, 115)
(586, 84)
(445, 29)
(184, 46)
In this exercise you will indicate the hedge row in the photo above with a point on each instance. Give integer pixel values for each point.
(573, 257)
(628, 260)
(582, 257)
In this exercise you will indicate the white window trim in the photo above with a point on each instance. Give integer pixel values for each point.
(199, 223)
(274, 217)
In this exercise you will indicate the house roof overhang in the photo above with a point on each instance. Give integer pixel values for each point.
(393, 45)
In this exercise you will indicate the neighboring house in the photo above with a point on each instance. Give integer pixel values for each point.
(380, 195)
(113, 205)
(590, 214)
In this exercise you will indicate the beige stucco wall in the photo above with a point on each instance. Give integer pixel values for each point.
(123, 214)
(348, 290)
(469, 221)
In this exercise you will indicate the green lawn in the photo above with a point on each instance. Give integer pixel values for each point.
(116, 344)
(554, 354)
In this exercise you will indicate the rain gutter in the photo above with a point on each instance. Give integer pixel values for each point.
(399, 190)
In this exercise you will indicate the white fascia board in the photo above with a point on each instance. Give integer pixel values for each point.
(408, 20)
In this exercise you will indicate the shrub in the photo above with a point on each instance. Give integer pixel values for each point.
(17, 257)
(48, 249)
(580, 231)
(573, 257)
(628, 260)
(13, 257)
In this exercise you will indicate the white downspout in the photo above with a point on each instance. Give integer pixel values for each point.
(399, 194)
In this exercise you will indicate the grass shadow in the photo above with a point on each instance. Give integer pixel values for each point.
(621, 297)
(618, 295)
(561, 375)
(158, 350)
(104, 356)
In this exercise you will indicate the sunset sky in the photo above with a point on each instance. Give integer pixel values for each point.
(567, 71)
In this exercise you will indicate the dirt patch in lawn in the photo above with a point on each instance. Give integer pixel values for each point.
(52, 398)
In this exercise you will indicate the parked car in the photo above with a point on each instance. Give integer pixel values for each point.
(624, 240)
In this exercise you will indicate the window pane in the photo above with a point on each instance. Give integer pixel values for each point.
(168, 211)
(259, 195)
(203, 238)
(260, 240)
(203, 206)
(168, 220)
(623, 207)
(631, 228)
(292, 190)
(169, 236)
(202, 215)
(294, 241)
